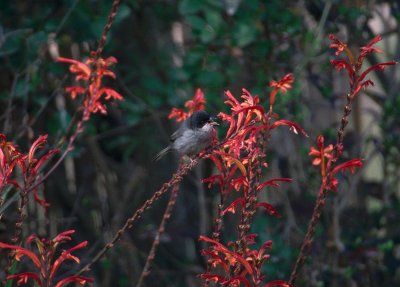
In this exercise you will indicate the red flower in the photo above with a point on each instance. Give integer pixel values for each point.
(337, 44)
(368, 49)
(46, 262)
(320, 153)
(193, 105)
(92, 72)
(9, 157)
(282, 85)
(353, 68)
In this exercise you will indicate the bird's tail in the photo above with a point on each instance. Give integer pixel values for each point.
(162, 153)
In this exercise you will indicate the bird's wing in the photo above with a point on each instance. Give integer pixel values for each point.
(179, 132)
(176, 135)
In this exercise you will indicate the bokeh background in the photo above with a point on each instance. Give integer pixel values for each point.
(166, 50)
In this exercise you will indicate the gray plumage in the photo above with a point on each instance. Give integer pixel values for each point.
(195, 134)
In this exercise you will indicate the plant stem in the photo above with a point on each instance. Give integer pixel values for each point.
(161, 229)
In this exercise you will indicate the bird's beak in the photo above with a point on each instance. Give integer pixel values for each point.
(213, 121)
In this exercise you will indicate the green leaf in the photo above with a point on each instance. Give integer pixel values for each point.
(214, 19)
(190, 6)
(244, 34)
(196, 22)
(207, 34)
(123, 12)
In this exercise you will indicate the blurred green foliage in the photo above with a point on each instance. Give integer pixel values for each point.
(224, 47)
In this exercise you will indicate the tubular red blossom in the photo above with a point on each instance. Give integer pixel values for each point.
(232, 257)
(269, 208)
(237, 281)
(342, 64)
(92, 73)
(379, 67)
(292, 126)
(337, 44)
(81, 70)
(81, 280)
(195, 104)
(368, 49)
(350, 165)
(213, 277)
(234, 205)
(24, 277)
(278, 283)
(9, 158)
(341, 47)
(63, 236)
(273, 182)
(282, 85)
(320, 154)
(47, 262)
(20, 252)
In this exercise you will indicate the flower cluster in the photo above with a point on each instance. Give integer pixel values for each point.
(322, 153)
(353, 65)
(226, 258)
(193, 105)
(240, 161)
(92, 72)
(48, 260)
(11, 157)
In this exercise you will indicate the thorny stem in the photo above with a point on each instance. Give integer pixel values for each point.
(161, 229)
(249, 208)
(321, 199)
(218, 224)
(107, 28)
(176, 179)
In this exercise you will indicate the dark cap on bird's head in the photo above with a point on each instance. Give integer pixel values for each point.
(199, 118)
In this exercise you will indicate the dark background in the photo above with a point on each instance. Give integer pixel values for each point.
(167, 49)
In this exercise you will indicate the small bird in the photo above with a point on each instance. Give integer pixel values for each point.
(195, 134)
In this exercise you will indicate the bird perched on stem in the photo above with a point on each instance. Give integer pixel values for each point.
(195, 134)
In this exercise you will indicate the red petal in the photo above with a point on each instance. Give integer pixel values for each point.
(293, 126)
(25, 276)
(20, 251)
(278, 283)
(269, 208)
(77, 279)
(272, 182)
